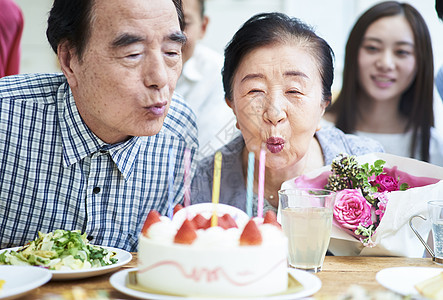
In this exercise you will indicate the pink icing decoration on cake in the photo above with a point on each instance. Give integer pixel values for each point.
(214, 264)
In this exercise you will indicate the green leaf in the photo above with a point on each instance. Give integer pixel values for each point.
(379, 163)
(404, 186)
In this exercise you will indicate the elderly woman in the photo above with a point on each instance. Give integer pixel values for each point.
(277, 78)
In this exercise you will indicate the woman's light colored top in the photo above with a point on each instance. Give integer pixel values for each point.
(233, 188)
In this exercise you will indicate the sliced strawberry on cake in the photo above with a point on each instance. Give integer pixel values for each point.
(153, 217)
(201, 222)
(271, 218)
(177, 208)
(186, 234)
(226, 221)
(251, 235)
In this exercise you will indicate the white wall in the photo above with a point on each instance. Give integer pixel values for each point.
(37, 55)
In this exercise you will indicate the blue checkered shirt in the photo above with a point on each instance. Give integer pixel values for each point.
(55, 173)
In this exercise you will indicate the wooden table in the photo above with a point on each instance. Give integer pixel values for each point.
(339, 273)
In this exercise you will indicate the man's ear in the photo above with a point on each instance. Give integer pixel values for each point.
(67, 59)
(204, 27)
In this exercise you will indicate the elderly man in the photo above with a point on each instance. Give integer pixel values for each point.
(88, 149)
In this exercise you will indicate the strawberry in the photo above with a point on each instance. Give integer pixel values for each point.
(153, 217)
(271, 218)
(250, 235)
(226, 222)
(201, 222)
(186, 234)
(177, 208)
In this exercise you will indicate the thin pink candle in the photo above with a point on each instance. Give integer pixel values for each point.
(261, 182)
(187, 178)
(187, 181)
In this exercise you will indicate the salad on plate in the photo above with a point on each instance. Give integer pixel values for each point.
(60, 250)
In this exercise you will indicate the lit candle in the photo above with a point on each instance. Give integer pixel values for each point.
(261, 182)
(216, 186)
(250, 183)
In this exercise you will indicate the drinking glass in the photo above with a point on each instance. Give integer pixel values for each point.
(306, 218)
(435, 212)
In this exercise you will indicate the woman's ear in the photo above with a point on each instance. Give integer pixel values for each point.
(232, 106)
(324, 105)
(67, 59)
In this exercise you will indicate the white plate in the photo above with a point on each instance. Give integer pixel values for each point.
(20, 280)
(123, 258)
(402, 279)
(310, 282)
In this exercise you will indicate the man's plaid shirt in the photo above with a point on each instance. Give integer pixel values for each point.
(56, 174)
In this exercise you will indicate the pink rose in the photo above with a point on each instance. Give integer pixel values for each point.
(385, 183)
(351, 209)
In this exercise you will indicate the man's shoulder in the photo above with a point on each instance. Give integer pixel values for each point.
(31, 86)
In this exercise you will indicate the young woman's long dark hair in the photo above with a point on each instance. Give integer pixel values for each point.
(416, 102)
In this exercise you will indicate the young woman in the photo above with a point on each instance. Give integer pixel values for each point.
(387, 91)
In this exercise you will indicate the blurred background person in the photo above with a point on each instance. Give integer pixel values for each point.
(277, 78)
(11, 29)
(201, 83)
(387, 91)
(439, 77)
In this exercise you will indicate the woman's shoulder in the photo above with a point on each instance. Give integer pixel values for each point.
(228, 151)
(231, 157)
(231, 174)
(333, 141)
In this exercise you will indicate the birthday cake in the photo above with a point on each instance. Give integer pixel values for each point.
(189, 256)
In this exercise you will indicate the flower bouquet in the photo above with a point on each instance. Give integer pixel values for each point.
(377, 193)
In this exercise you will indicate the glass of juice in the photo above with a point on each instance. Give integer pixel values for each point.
(306, 219)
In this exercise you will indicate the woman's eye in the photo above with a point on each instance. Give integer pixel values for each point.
(255, 91)
(371, 49)
(295, 92)
(403, 52)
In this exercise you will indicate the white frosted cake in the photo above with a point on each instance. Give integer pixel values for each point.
(175, 257)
